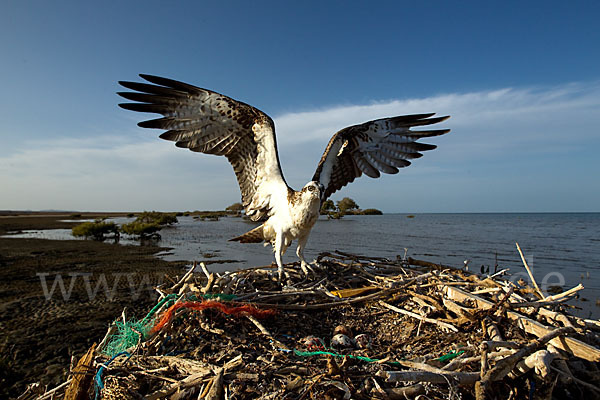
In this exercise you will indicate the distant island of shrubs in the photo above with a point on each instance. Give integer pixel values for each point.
(148, 223)
(345, 206)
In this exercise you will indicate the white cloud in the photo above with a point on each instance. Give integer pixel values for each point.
(136, 171)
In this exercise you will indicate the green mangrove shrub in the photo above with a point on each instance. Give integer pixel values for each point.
(97, 230)
(148, 223)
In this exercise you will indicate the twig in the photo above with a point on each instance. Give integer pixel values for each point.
(579, 381)
(462, 378)
(51, 392)
(564, 294)
(537, 288)
(459, 362)
(331, 304)
(276, 343)
(504, 366)
(504, 299)
(572, 345)
(111, 329)
(184, 279)
(417, 316)
(190, 381)
(216, 389)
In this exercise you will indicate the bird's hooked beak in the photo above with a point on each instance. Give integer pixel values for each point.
(322, 191)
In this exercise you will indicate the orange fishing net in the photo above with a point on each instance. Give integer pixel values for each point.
(167, 316)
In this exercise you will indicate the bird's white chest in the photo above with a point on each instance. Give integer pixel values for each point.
(295, 219)
(304, 217)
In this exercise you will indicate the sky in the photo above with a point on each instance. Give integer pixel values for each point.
(521, 81)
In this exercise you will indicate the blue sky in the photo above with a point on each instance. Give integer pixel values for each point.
(520, 79)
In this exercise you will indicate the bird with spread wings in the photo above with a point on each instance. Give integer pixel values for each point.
(208, 122)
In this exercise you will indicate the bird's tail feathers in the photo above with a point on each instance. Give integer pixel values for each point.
(256, 235)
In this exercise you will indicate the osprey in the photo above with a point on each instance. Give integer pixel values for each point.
(208, 122)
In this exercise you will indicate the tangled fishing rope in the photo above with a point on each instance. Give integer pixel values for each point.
(167, 316)
(129, 333)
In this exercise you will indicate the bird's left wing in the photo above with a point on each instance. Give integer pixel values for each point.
(381, 145)
(208, 122)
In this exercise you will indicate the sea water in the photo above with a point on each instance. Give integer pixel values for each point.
(562, 249)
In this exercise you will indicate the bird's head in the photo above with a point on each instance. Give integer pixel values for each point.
(313, 190)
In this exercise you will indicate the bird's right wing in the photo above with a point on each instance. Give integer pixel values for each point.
(382, 145)
(208, 122)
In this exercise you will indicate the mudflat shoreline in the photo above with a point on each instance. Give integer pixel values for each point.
(57, 297)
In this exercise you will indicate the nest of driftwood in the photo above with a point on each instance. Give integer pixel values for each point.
(358, 328)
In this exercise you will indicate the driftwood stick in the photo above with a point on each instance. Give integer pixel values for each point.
(428, 300)
(50, 393)
(540, 361)
(406, 392)
(573, 346)
(553, 316)
(504, 299)
(417, 316)
(233, 363)
(421, 263)
(190, 381)
(271, 296)
(421, 366)
(184, 279)
(204, 270)
(500, 344)
(537, 288)
(82, 376)
(564, 294)
(209, 284)
(484, 360)
(276, 343)
(487, 290)
(33, 390)
(111, 329)
(504, 366)
(462, 378)
(320, 306)
(492, 331)
(184, 365)
(457, 309)
(533, 304)
(216, 388)
(579, 381)
(459, 362)
(499, 272)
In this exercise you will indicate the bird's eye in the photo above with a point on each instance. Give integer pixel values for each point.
(311, 188)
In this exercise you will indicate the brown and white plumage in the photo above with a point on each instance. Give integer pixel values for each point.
(208, 122)
(381, 145)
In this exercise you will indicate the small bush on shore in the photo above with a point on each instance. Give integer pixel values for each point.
(149, 223)
(143, 229)
(157, 217)
(96, 230)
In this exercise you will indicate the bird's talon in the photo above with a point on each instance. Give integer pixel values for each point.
(307, 269)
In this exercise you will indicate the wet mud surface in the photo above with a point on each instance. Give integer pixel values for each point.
(43, 324)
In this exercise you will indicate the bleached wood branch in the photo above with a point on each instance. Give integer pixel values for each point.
(571, 345)
(462, 378)
(537, 288)
(419, 317)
